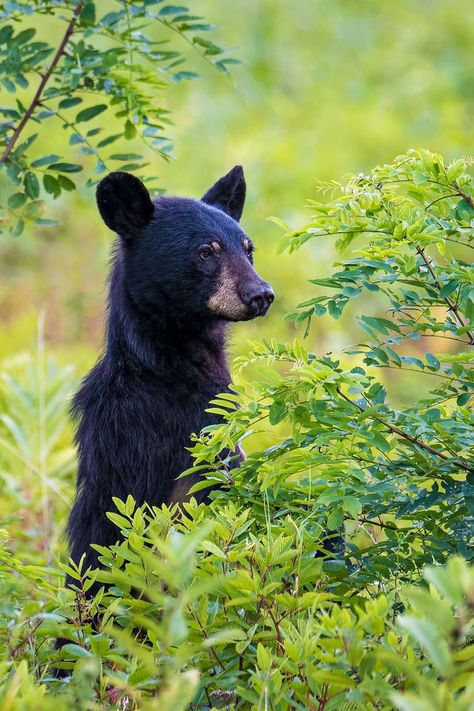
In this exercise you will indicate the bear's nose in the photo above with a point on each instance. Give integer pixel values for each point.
(259, 302)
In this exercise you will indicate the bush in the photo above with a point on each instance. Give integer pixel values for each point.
(224, 618)
(243, 603)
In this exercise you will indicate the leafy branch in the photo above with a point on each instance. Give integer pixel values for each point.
(35, 102)
(410, 438)
(451, 306)
(81, 84)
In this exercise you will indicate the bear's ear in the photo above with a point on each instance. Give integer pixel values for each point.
(124, 203)
(228, 194)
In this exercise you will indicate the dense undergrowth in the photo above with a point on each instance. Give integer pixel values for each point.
(238, 604)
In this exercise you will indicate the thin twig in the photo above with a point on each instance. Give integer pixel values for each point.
(380, 524)
(44, 80)
(405, 435)
(464, 195)
(443, 197)
(212, 651)
(452, 307)
(324, 697)
(277, 629)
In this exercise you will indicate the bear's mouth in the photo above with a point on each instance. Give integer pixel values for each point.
(238, 299)
(233, 311)
(229, 305)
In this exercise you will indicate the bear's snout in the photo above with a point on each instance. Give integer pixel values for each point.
(240, 293)
(259, 300)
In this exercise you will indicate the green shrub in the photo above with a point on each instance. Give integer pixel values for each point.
(239, 604)
(222, 618)
(399, 477)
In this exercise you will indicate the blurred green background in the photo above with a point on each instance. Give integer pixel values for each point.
(324, 88)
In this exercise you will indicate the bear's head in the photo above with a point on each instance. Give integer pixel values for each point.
(183, 257)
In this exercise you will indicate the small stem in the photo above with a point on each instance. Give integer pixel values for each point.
(405, 435)
(44, 80)
(277, 629)
(212, 651)
(443, 197)
(380, 524)
(464, 195)
(452, 307)
(348, 232)
(324, 697)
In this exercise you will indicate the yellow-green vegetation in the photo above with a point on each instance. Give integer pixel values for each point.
(353, 399)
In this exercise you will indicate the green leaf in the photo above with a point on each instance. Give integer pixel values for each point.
(118, 520)
(130, 130)
(394, 357)
(66, 183)
(449, 288)
(428, 637)
(45, 160)
(87, 18)
(379, 354)
(17, 200)
(6, 33)
(180, 76)
(334, 309)
(277, 412)
(173, 10)
(382, 325)
(33, 210)
(352, 506)
(65, 167)
(74, 650)
(432, 361)
(18, 228)
(90, 113)
(264, 658)
(47, 223)
(23, 37)
(126, 156)
(31, 184)
(51, 185)
(335, 519)
(69, 102)
(464, 210)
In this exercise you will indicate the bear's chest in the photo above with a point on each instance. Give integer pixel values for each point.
(176, 406)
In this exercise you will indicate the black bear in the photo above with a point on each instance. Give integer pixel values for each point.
(181, 270)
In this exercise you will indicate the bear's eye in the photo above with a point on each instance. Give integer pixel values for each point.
(205, 252)
(248, 246)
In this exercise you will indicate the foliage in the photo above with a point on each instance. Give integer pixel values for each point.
(241, 605)
(245, 603)
(105, 64)
(229, 619)
(402, 476)
(37, 458)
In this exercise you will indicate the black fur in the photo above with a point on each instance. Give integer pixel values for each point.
(164, 357)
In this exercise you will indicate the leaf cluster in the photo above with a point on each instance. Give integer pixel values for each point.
(200, 612)
(251, 601)
(98, 81)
